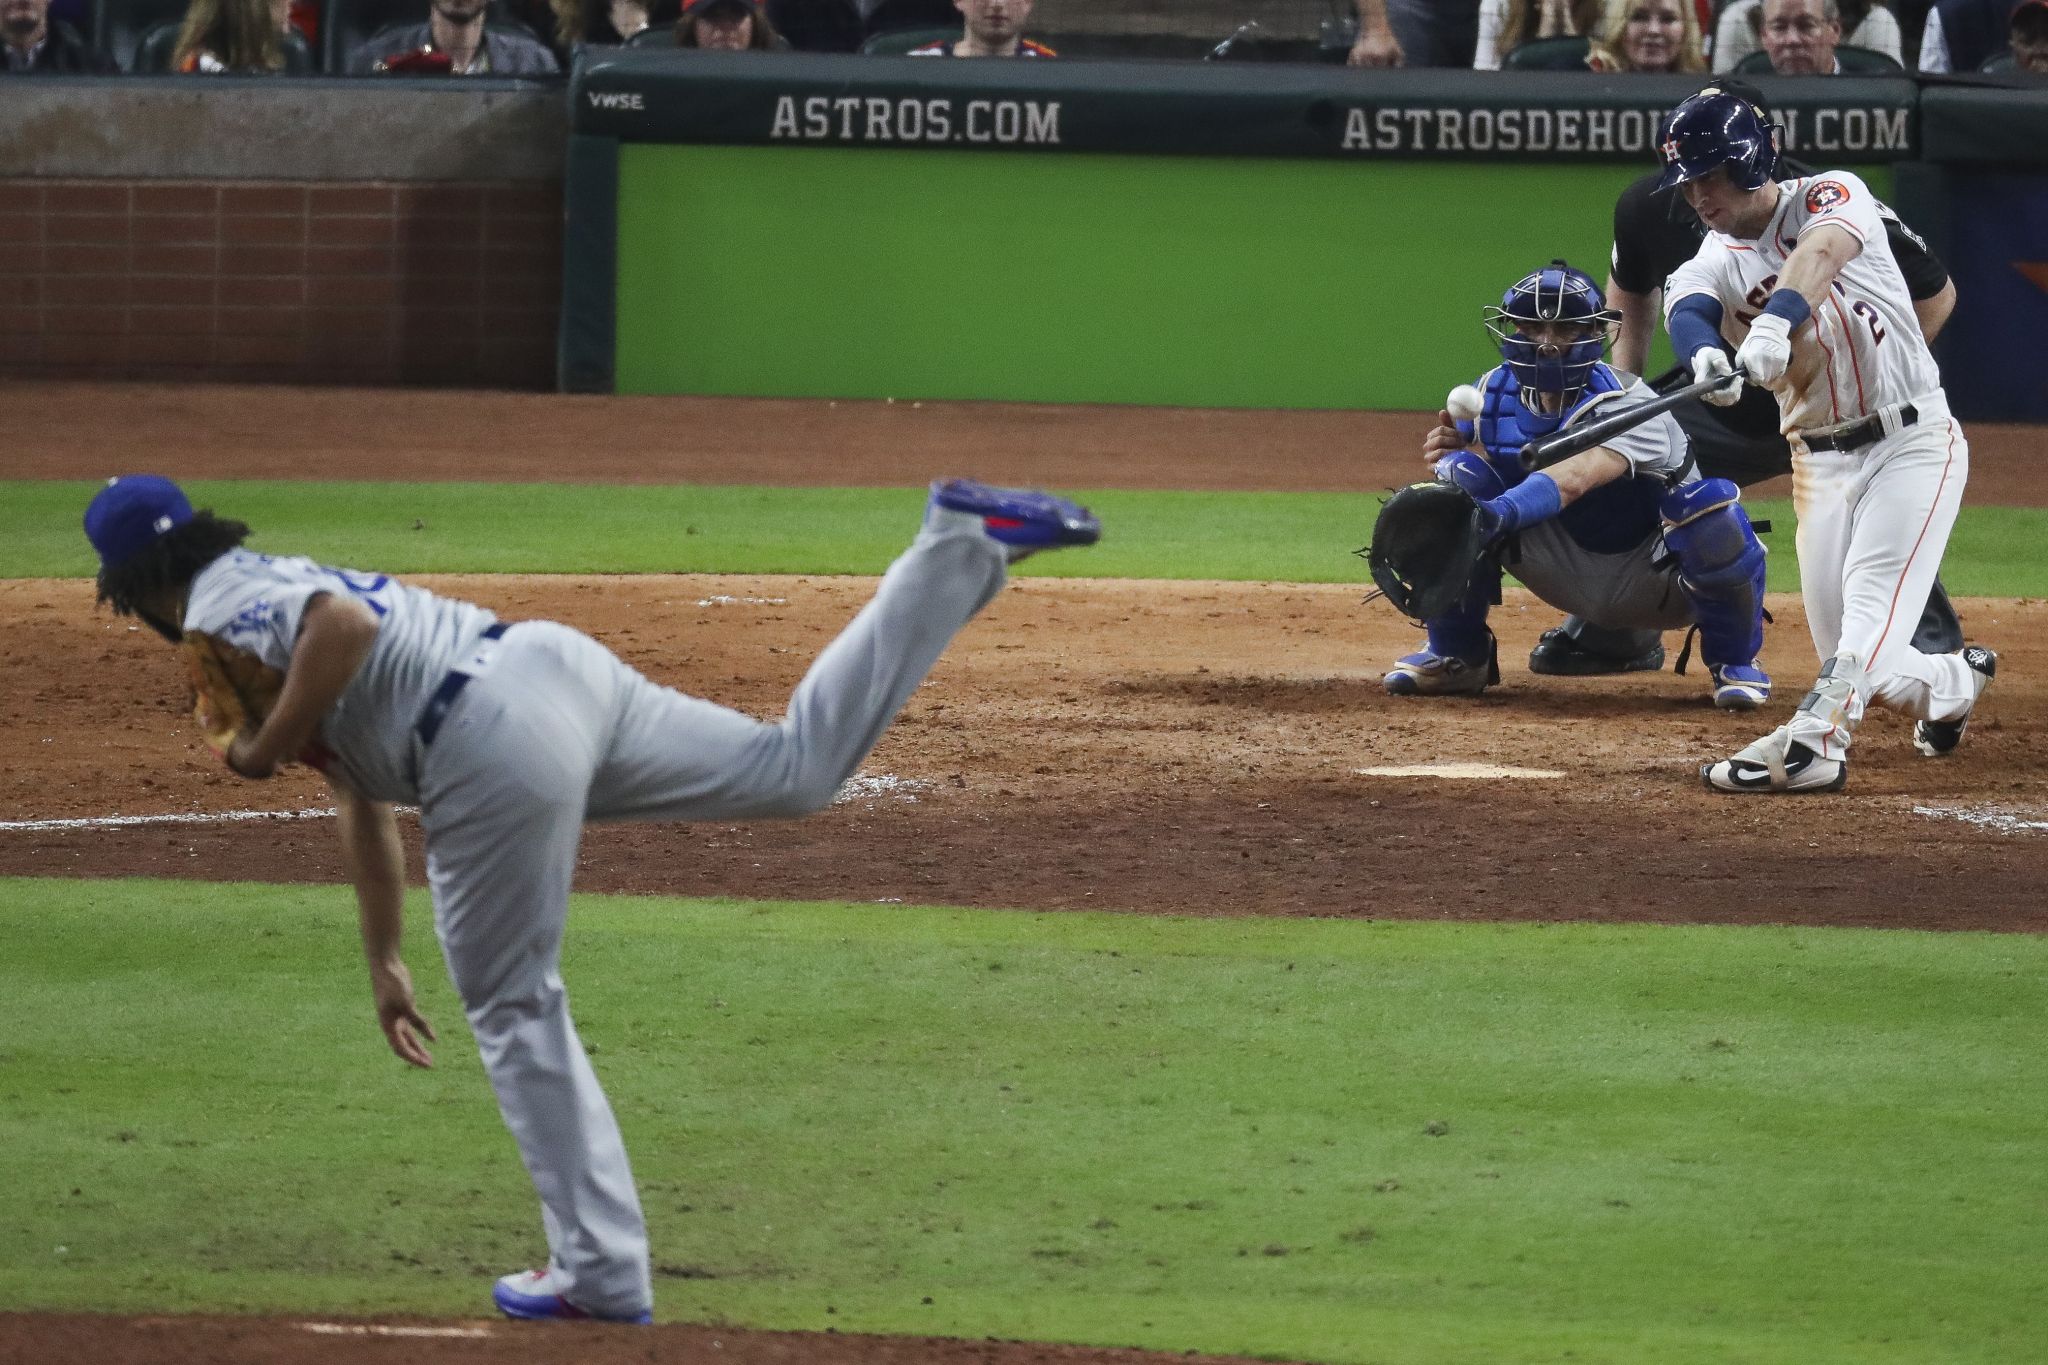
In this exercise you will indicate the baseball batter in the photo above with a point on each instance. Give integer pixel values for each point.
(1798, 275)
(509, 736)
(1625, 533)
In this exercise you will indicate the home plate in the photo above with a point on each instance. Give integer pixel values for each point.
(1466, 771)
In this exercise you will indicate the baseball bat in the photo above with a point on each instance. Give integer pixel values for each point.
(1549, 450)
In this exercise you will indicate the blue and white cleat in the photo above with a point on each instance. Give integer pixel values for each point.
(1425, 673)
(530, 1295)
(1023, 520)
(1740, 687)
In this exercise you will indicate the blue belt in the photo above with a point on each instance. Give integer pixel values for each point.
(451, 687)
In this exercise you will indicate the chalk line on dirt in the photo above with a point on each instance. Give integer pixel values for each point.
(1456, 771)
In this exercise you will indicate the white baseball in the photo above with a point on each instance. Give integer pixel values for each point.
(1464, 403)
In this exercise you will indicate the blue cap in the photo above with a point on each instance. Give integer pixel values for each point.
(127, 516)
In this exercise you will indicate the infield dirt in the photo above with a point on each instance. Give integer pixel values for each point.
(1159, 747)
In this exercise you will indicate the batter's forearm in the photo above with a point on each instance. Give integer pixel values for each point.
(1811, 268)
(374, 859)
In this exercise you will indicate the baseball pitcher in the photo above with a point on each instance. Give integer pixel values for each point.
(509, 736)
(1798, 276)
(1624, 533)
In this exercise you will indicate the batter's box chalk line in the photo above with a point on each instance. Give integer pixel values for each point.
(724, 601)
(1458, 771)
(214, 817)
(1997, 818)
(377, 1329)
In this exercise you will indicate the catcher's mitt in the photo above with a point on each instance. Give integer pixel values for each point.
(233, 689)
(1425, 544)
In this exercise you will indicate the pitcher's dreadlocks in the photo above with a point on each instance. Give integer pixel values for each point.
(171, 562)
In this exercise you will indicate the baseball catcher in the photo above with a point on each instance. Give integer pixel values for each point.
(1625, 534)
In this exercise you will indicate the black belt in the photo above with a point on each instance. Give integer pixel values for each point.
(451, 687)
(1857, 435)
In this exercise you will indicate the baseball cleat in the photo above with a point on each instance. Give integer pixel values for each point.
(1425, 673)
(1776, 763)
(1939, 738)
(1740, 687)
(1558, 654)
(1022, 519)
(530, 1295)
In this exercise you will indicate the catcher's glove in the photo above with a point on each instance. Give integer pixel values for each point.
(233, 689)
(1427, 541)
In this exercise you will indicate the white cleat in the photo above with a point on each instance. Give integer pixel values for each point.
(1939, 738)
(1776, 763)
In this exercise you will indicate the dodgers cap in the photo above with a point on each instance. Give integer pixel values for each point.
(126, 517)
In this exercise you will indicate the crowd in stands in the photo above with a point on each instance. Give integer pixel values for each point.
(1750, 37)
(536, 37)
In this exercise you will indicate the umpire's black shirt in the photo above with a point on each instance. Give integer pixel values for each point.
(1654, 234)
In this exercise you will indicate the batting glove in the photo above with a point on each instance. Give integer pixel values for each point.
(1711, 362)
(1767, 350)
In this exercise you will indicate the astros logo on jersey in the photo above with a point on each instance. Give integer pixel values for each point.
(1826, 194)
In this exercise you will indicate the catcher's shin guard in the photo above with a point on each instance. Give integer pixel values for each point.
(1721, 572)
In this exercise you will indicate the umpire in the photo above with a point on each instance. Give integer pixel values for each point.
(1656, 233)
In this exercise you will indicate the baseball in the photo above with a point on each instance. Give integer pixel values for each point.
(1463, 403)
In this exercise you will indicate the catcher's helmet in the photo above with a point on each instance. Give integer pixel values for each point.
(1715, 128)
(1556, 293)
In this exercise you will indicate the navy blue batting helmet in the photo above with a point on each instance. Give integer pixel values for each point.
(1556, 293)
(1715, 128)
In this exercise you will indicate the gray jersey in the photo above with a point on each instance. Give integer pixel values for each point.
(257, 602)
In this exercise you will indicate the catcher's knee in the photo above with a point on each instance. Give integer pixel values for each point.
(1472, 472)
(1707, 531)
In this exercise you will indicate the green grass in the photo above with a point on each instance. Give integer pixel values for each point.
(553, 528)
(1661, 1145)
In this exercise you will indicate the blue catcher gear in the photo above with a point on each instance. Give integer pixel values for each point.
(1461, 658)
(1721, 572)
(1714, 129)
(1555, 294)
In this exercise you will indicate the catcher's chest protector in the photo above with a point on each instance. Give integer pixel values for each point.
(1505, 426)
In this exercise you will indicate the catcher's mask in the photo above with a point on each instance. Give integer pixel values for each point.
(1426, 543)
(1553, 326)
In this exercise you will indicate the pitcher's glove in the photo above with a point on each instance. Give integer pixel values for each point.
(1426, 543)
(233, 689)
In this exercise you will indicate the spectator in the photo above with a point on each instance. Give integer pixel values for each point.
(1505, 25)
(232, 35)
(1801, 36)
(1415, 32)
(454, 40)
(2028, 36)
(1649, 36)
(725, 26)
(1864, 24)
(1962, 34)
(602, 23)
(990, 28)
(33, 46)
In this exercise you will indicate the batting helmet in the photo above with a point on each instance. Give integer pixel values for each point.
(1556, 293)
(1715, 128)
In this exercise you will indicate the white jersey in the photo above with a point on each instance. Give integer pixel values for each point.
(257, 602)
(1864, 350)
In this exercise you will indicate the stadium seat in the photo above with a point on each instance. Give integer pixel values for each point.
(896, 42)
(1549, 54)
(654, 35)
(118, 25)
(817, 25)
(1856, 61)
(1999, 62)
(887, 16)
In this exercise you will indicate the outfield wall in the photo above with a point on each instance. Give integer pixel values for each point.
(1213, 235)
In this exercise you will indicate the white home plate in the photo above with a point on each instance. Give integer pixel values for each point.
(1466, 771)
(373, 1329)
